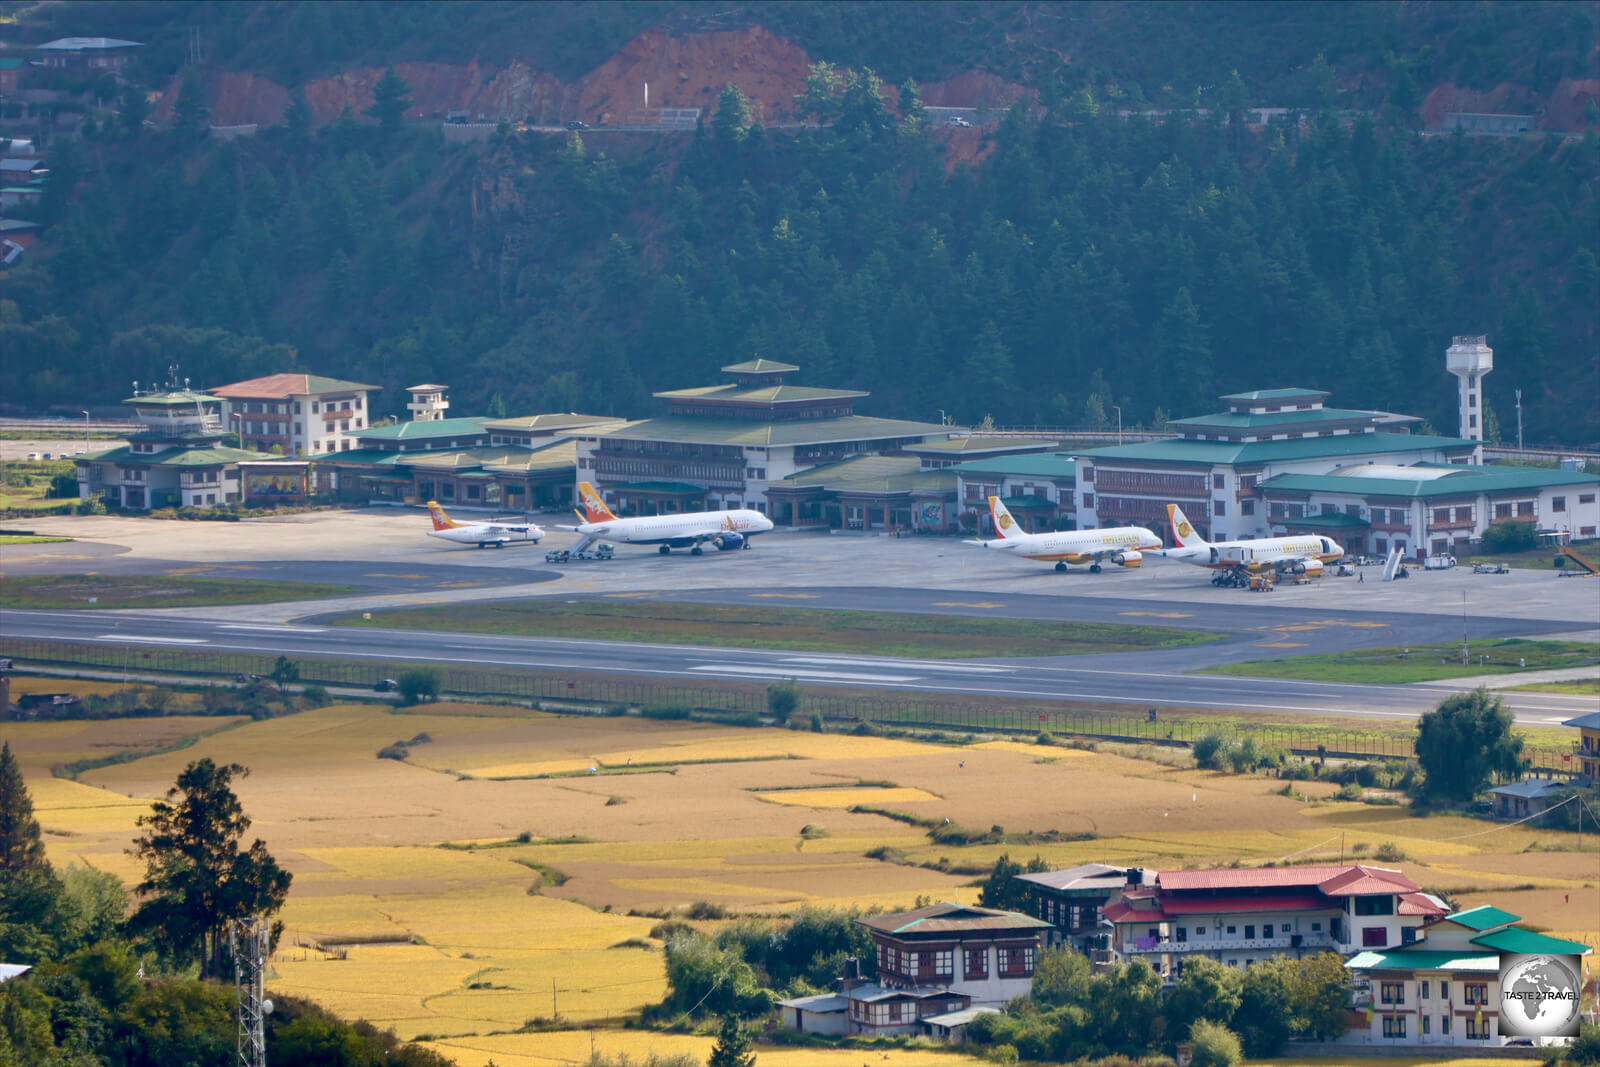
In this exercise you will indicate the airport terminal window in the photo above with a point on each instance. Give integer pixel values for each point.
(1463, 514)
(1088, 500)
(1441, 516)
(1586, 498)
(1219, 481)
(1219, 507)
(1395, 1026)
(1524, 507)
(1558, 503)
(1247, 507)
(1502, 511)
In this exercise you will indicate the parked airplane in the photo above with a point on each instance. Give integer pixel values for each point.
(691, 530)
(1121, 545)
(1304, 554)
(481, 534)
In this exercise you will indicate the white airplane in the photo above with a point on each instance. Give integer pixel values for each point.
(691, 530)
(1295, 555)
(481, 534)
(1122, 545)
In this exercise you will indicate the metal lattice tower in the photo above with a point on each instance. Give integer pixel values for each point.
(248, 938)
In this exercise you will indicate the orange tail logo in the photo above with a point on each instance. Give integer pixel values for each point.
(441, 521)
(593, 505)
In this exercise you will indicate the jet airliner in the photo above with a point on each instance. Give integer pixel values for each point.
(1122, 545)
(691, 530)
(1304, 554)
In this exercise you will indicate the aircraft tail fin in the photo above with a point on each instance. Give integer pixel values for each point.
(1182, 531)
(593, 506)
(1004, 525)
(441, 521)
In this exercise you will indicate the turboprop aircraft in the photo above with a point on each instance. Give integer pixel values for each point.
(1304, 554)
(1122, 545)
(481, 534)
(691, 530)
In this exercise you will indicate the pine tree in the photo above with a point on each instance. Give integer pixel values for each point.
(297, 116)
(733, 116)
(733, 1046)
(190, 113)
(391, 97)
(21, 847)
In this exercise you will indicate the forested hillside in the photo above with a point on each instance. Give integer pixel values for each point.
(1081, 260)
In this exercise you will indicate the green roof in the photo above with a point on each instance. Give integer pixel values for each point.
(1458, 481)
(1420, 959)
(1275, 394)
(760, 366)
(759, 394)
(1244, 420)
(1211, 453)
(1036, 464)
(1528, 942)
(182, 457)
(10, 64)
(426, 430)
(1024, 503)
(971, 443)
(551, 421)
(1482, 918)
(763, 433)
(876, 475)
(1325, 522)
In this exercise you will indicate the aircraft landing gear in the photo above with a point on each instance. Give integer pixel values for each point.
(1061, 568)
(1094, 568)
(665, 550)
(695, 551)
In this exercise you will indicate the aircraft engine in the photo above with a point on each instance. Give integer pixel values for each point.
(729, 540)
(1130, 558)
(1311, 566)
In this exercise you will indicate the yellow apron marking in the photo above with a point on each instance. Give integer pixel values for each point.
(965, 604)
(787, 596)
(1281, 644)
(1160, 614)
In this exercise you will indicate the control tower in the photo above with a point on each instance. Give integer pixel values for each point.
(429, 403)
(1469, 359)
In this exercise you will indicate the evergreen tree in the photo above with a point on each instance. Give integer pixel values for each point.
(190, 113)
(21, 846)
(196, 877)
(733, 116)
(391, 98)
(297, 116)
(733, 1046)
(1463, 743)
(913, 116)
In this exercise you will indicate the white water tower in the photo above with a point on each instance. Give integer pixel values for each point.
(1469, 359)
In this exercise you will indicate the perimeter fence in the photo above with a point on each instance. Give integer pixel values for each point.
(747, 701)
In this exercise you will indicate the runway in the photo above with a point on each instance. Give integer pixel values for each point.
(1123, 678)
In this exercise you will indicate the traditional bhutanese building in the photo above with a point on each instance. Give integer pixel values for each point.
(727, 445)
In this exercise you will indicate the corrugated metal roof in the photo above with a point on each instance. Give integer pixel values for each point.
(1333, 880)
(1037, 464)
(760, 366)
(1416, 959)
(874, 474)
(1208, 453)
(971, 443)
(1590, 721)
(551, 421)
(466, 426)
(951, 918)
(1086, 876)
(1529, 943)
(758, 394)
(281, 386)
(1245, 420)
(1530, 789)
(1482, 918)
(1275, 394)
(1460, 481)
(759, 433)
(86, 44)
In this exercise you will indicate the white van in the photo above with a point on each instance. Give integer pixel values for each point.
(1438, 563)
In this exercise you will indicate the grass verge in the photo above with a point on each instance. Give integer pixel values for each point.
(1537, 559)
(920, 636)
(155, 591)
(29, 539)
(1423, 663)
(1580, 686)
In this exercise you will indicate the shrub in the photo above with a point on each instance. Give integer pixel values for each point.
(616, 710)
(783, 698)
(315, 695)
(1390, 852)
(1509, 536)
(865, 729)
(1350, 791)
(421, 685)
(664, 711)
(1214, 1045)
(1211, 749)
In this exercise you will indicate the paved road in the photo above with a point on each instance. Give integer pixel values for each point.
(1127, 678)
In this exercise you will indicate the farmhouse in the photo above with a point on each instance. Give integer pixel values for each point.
(1445, 989)
(1071, 901)
(1587, 747)
(1239, 916)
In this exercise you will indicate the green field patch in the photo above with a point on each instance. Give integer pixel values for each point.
(1580, 686)
(29, 539)
(878, 633)
(1422, 663)
(154, 591)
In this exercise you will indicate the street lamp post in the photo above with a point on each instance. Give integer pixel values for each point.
(1118, 410)
(239, 432)
(85, 431)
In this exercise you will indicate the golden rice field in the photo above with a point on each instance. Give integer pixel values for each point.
(384, 924)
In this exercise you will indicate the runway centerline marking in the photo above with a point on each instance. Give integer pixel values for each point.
(965, 604)
(786, 596)
(894, 664)
(1160, 614)
(270, 628)
(138, 639)
(778, 671)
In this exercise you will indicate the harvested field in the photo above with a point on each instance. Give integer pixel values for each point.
(406, 927)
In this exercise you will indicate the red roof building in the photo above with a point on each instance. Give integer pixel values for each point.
(1241, 915)
(300, 414)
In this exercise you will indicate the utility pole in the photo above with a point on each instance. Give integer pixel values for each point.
(1464, 651)
(1519, 421)
(1118, 410)
(248, 939)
